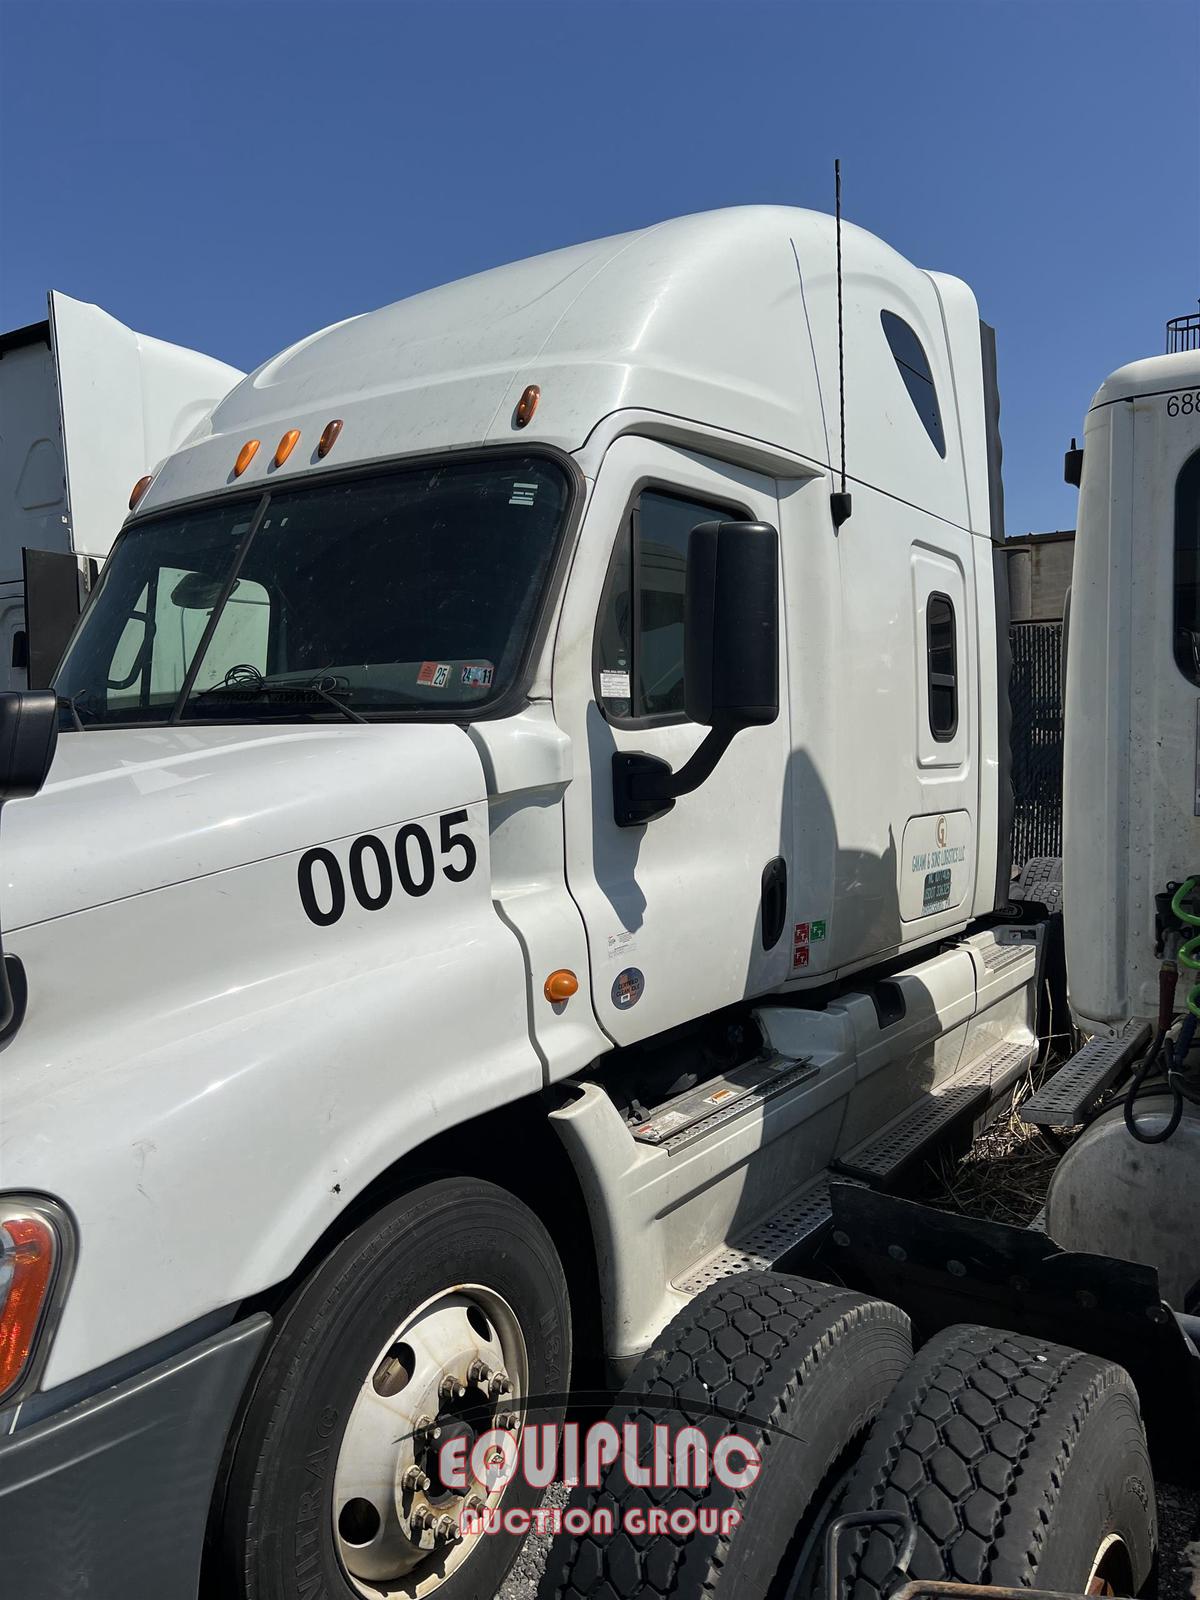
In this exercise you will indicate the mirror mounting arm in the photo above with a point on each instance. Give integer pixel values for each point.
(645, 787)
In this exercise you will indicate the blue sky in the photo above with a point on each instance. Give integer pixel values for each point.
(234, 176)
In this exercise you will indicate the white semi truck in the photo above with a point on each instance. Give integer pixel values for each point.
(523, 828)
(87, 408)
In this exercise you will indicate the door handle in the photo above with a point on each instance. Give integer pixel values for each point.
(774, 901)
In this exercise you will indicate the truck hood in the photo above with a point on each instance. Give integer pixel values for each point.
(126, 811)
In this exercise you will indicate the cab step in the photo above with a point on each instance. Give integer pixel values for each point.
(795, 1226)
(1068, 1098)
(879, 1159)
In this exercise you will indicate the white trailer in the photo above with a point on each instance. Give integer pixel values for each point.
(512, 841)
(87, 408)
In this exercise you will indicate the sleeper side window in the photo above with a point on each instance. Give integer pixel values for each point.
(1187, 569)
(942, 654)
(914, 368)
(639, 646)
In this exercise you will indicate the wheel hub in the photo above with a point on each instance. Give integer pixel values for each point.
(455, 1368)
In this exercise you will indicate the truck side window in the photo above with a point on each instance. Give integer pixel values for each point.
(1187, 569)
(914, 367)
(943, 667)
(639, 657)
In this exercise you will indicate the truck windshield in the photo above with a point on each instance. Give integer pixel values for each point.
(413, 591)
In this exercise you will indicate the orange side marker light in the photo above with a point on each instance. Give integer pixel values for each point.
(245, 456)
(561, 985)
(526, 406)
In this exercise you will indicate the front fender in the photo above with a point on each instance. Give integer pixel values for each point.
(206, 1077)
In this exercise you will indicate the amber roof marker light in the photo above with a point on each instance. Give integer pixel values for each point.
(526, 406)
(139, 489)
(245, 456)
(329, 437)
(286, 445)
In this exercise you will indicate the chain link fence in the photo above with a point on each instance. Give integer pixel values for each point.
(1037, 740)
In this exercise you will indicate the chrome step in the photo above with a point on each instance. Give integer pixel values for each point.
(1066, 1099)
(798, 1221)
(881, 1156)
(699, 1110)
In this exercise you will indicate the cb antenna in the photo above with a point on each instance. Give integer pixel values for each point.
(840, 500)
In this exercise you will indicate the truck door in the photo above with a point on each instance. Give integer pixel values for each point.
(689, 912)
(937, 866)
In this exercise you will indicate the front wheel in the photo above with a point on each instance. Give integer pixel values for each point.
(436, 1321)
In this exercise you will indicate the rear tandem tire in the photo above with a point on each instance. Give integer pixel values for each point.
(1021, 1464)
(798, 1368)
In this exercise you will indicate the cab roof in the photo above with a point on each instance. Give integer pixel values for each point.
(724, 318)
(1151, 375)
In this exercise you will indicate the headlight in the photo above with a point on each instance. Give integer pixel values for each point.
(36, 1254)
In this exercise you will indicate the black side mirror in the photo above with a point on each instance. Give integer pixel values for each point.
(28, 735)
(731, 662)
(731, 637)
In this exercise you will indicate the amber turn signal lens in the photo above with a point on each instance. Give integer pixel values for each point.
(561, 985)
(286, 445)
(28, 1251)
(526, 406)
(139, 489)
(329, 437)
(245, 456)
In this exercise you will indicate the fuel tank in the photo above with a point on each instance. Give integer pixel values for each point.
(1138, 1202)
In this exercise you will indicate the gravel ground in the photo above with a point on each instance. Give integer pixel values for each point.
(522, 1581)
(1179, 1540)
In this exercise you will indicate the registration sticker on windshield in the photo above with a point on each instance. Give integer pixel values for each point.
(477, 676)
(434, 674)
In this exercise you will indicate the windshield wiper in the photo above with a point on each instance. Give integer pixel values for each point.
(266, 690)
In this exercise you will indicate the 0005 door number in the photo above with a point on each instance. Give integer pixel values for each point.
(370, 868)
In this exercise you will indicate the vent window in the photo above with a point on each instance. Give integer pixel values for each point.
(914, 367)
(943, 667)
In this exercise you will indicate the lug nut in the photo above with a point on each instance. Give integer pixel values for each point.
(509, 1420)
(446, 1528)
(420, 1522)
(479, 1372)
(475, 1505)
(425, 1428)
(498, 1384)
(451, 1388)
(415, 1480)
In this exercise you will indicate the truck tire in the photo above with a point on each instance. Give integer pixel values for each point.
(456, 1271)
(1021, 1463)
(799, 1369)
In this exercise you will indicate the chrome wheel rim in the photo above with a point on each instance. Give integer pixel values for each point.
(456, 1367)
(1112, 1571)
